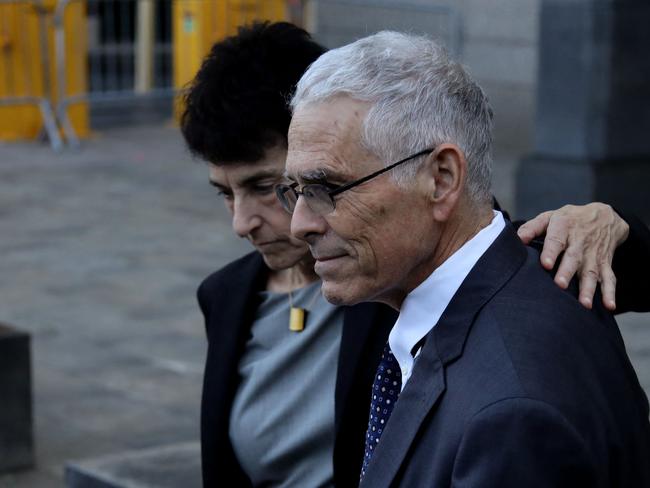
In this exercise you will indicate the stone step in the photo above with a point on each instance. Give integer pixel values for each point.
(171, 466)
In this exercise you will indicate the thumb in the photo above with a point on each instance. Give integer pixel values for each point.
(534, 227)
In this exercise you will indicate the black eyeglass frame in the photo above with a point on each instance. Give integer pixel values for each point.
(281, 189)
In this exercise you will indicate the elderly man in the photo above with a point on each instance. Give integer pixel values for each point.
(497, 377)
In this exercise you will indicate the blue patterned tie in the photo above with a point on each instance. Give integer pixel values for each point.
(385, 390)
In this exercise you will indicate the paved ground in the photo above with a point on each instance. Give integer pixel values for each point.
(100, 254)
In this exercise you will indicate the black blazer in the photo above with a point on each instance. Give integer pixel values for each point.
(517, 385)
(228, 302)
(631, 266)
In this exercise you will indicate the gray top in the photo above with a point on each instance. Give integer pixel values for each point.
(282, 418)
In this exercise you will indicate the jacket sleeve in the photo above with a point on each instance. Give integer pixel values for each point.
(523, 442)
(632, 267)
(204, 303)
(219, 464)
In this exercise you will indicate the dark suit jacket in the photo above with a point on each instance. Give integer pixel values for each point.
(228, 299)
(228, 302)
(517, 385)
(631, 266)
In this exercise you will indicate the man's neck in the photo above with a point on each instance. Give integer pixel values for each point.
(453, 235)
(457, 232)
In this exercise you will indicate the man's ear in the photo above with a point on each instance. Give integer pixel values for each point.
(443, 178)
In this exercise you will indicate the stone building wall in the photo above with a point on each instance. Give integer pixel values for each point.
(498, 42)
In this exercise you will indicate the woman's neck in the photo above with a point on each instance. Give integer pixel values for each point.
(298, 276)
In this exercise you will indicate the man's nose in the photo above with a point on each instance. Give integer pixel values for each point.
(306, 225)
(245, 217)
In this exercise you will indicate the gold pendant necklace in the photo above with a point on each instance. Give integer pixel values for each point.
(298, 315)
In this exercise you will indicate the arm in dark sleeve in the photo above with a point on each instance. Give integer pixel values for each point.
(523, 442)
(202, 298)
(632, 267)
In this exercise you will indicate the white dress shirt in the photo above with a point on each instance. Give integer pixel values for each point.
(423, 307)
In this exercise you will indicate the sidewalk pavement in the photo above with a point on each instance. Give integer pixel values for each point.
(101, 252)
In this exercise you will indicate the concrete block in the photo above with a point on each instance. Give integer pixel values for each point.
(16, 435)
(172, 466)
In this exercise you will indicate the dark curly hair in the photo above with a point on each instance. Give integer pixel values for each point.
(236, 106)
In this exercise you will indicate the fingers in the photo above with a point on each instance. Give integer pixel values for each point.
(608, 288)
(534, 228)
(582, 258)
(570, 263)
(557, 233)
(588, 283)
(555, 243)
(588, 235)
(589, 279)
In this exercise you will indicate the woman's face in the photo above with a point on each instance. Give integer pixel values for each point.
(248, 192)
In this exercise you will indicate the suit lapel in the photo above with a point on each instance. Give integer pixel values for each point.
(443, 345)
(415, 402)
(233, 310)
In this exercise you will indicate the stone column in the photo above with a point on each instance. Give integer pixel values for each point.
(592, 134)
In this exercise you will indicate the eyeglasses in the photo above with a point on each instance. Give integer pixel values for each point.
(320, 198)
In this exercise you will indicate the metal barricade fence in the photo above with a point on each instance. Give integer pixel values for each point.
(143, 49)
(91, 52)
(116, 59)
(96, 60)
(26, 71)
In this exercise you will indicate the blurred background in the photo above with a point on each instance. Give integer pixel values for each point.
(107, 225)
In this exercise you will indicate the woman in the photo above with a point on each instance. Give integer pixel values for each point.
(268, 410)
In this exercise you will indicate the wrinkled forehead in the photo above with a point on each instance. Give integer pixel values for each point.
(325, 135)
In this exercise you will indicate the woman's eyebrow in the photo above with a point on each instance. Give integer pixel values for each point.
(260, 175)
(218, 185)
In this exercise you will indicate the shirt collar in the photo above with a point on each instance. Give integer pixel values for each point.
(423, 307)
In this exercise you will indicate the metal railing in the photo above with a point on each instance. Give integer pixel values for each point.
(25, 68)
(142, 49)
(119, 52)
(126, 60)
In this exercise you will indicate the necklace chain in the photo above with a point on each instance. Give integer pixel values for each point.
(311, 302)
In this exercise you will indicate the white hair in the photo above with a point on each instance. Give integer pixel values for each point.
(419, 98)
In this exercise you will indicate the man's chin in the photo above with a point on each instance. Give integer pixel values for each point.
(338, 294)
